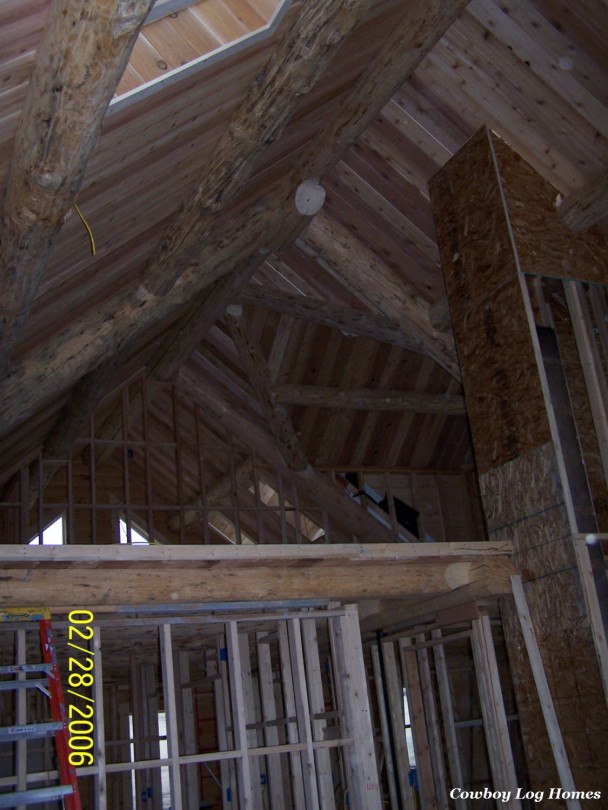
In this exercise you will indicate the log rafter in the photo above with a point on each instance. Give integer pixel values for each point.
(351, 322)
(365, 274)
(78, 64)
(255, 365)
(368, 399)
(293, 70)
(50, 371)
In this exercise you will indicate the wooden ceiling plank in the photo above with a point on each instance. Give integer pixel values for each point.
(368, 399)
(256, 367)
(587, 206)
(361, 270)
(350, 322)
(83, 53)
(293, 70)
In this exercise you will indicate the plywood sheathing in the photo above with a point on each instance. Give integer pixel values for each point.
(481, 277)
(485, 244)
(545, 245)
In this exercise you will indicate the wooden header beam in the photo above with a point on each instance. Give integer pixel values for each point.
(162, 575)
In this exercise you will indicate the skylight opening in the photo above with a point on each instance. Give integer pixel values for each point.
(180, 36)
(51, 535)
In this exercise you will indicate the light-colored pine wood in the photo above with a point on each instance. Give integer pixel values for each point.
(544, 692)
(493, 711)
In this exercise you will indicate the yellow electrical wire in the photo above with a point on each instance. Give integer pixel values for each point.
(89, 231)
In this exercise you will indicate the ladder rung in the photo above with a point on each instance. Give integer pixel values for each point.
(13, 668)
(37, 796)
(38, 683)
(29, 732)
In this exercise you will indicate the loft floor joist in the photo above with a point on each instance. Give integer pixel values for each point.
(111, 575)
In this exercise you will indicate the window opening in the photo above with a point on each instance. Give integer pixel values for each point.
(51, 535)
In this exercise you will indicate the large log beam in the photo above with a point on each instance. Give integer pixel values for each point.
(587, 206)
(293, 70)
(365, 274)
(107, 577)
(98, 334)
(368, 399)
(84, 51)
(351, 322)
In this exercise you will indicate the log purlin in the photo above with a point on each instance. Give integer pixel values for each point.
(121, 575)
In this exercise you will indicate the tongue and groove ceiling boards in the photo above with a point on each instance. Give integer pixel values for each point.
(338, 343)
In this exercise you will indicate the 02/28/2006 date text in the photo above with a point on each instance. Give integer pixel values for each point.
(80, 680)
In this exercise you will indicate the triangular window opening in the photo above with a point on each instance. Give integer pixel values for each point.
(51, 535)
(135, 537)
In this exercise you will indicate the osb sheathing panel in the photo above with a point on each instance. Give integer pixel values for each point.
(503, 391)
(545, 246)
(525, 486)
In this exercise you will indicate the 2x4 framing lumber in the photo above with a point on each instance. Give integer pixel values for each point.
(493, 711)
(544, 693)
(82, 56)
(369, 399)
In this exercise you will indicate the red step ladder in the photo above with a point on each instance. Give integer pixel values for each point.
(50, 684)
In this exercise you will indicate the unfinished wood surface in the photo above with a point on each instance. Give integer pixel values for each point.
(59, 126)
(544, 244)
(352, 262)
(347, 652)
(493, 711)
(197, 575)
(348, 321)
(294, 68)
(587, 206)
(394, 686)
(500, 378)
(544, 693)
(418, 723)
(259, 376)
(324, 396)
